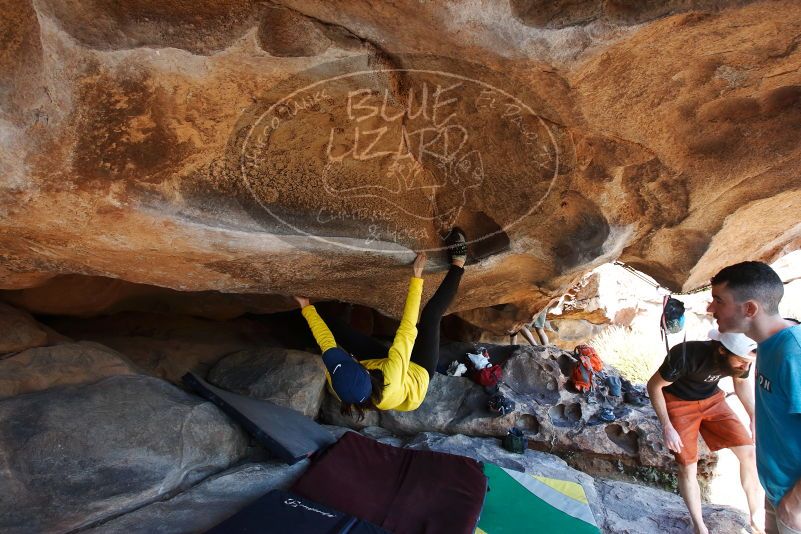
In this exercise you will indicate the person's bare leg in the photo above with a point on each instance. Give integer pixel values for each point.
(527, 334)
(750, 482)
(691, 493)
(542, 335)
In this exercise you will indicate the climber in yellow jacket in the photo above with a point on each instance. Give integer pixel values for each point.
(366, 373)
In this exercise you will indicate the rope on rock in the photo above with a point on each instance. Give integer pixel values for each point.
(657, 285)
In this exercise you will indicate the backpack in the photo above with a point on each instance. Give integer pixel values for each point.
(672, 321)
(672, 315)
(587, 365)
(488, 376)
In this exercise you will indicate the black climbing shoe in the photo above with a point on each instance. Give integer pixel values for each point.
(634, 395)
(456, 244)
(500, 405)
(636, 398)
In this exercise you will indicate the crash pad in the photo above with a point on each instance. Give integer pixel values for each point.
(405, 491)
(521, 502)
(285, 432)
(279, 512)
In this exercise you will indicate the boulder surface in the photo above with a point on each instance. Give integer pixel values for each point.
(76, 455)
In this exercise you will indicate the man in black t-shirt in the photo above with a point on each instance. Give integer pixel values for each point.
(686, 398)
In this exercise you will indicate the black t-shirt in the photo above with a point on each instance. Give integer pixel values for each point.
(695, 375)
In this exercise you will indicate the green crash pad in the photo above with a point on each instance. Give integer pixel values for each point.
(518, 502)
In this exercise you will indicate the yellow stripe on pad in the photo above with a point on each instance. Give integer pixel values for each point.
(565, 487)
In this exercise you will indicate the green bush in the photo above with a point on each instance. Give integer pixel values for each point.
(666, 480)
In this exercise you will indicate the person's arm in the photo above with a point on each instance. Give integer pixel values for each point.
(789, 509)
(744, 389)
(400, 352)
(671, 437)
(319, 329)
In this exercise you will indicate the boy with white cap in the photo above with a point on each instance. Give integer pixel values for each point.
(691, 402)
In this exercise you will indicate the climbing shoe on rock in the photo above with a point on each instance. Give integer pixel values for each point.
(636, 398)
(606, 415)
(634, 395)
(456, 244)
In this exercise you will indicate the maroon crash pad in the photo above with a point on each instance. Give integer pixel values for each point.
(402, 490)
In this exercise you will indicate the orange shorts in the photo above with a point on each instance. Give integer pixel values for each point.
(719, 425)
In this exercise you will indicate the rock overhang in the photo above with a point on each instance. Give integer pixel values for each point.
(134, 145)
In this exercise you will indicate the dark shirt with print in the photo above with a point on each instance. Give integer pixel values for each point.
(694, 371)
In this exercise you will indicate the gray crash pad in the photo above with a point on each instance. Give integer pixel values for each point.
(287, 433)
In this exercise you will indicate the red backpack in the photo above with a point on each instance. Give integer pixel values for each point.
(488, 376)
(587, 365)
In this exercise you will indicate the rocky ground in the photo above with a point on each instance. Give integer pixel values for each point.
(92, 439)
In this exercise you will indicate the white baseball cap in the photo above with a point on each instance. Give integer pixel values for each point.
(738, 344)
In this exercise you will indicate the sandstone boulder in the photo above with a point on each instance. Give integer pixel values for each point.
(208, 503)
(552, 416)
(379, 434)
(86, 296)
(92, 452)
(43, 368)
(19, 331)
(212, 149)
(453, 405)
(167, 346)
(289, 378)
(631, 508)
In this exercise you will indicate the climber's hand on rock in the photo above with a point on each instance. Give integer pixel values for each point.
(302, 301)
(672, 439)
(419, 264)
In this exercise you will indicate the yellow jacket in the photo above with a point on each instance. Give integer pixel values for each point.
(405, 382)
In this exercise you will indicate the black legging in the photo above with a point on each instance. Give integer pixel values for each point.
(426, 346)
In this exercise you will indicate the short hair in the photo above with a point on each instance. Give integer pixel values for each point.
(753, 280)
